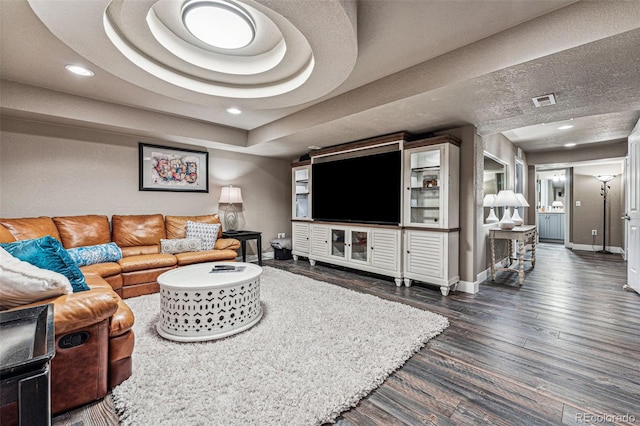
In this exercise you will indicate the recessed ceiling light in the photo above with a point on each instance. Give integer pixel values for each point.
(234, 110)
(565, 127)
(219, 23)
(315, 147)
(569, 145)
(79, 70)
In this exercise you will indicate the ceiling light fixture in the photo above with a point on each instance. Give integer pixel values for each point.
(569, 145)
(565, 127)
(79, 70)
(234, 110)
(605, 178)
(219, 23)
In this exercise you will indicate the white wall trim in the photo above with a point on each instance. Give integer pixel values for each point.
(483, 275)
(474, 287)
(253, 258)
(589, 247)
(468, 287)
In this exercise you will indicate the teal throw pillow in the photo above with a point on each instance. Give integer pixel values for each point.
(48, 253)
(89, 255)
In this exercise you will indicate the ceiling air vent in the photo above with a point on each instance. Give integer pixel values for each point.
(544, 100)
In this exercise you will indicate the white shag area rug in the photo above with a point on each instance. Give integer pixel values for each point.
(318, 350)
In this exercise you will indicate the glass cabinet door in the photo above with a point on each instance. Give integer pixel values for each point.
(301, 193)
(424, 187)
(338, 243)
(359, 246)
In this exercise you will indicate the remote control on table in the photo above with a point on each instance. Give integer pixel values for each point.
(224, 267)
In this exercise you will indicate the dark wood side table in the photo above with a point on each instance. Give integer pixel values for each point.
(25, 355)
(243, 236)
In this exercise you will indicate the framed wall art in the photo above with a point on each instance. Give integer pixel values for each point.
(164, 168)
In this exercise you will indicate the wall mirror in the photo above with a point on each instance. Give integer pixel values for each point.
(551, 190)
(495, 180)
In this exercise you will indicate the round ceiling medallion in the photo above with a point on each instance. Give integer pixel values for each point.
(278, 63)
(218, 23)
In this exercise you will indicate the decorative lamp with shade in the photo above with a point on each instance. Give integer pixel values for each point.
(506, 198)
(487, 201)
(516, 215)
(231, 195)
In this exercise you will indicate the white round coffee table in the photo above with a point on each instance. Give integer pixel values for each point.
(197, 304)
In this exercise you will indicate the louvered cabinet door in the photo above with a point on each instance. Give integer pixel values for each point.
(432, 257)
(319, 241)
(300, 239)
(384, 249)
(424, 255)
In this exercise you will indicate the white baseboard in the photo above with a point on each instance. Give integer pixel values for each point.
(468, 287)
(474, 287)
(254, 257)
(589, 247)
(484, 275)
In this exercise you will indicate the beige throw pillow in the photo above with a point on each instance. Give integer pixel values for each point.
(180, 245)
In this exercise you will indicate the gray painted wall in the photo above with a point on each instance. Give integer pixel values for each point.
(501, 148)
(589, 215)
(468, 200)
(53, 170)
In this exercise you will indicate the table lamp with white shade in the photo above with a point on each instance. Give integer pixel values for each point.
(506, 198)
(516, 215)
(231, 195)
(487, 201)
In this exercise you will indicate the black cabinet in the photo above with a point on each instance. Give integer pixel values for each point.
(26, 351)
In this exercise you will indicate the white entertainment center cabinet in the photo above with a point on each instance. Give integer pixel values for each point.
(423, 247)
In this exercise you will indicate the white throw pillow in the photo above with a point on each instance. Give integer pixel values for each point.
(22, 282)
(207, 232)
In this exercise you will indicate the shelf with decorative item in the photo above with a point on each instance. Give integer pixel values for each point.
(426, 188)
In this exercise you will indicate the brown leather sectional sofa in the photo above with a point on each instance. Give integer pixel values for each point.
(99, 317)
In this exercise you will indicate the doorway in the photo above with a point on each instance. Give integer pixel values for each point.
(553, 204)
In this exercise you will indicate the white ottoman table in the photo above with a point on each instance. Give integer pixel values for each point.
(198, 304)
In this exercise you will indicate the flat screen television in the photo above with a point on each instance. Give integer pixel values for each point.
(364, 189)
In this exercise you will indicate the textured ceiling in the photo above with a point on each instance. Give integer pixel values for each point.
(380, 67)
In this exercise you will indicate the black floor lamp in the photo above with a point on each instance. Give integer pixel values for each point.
(604, 189)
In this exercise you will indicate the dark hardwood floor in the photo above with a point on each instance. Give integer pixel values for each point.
(562, 349)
